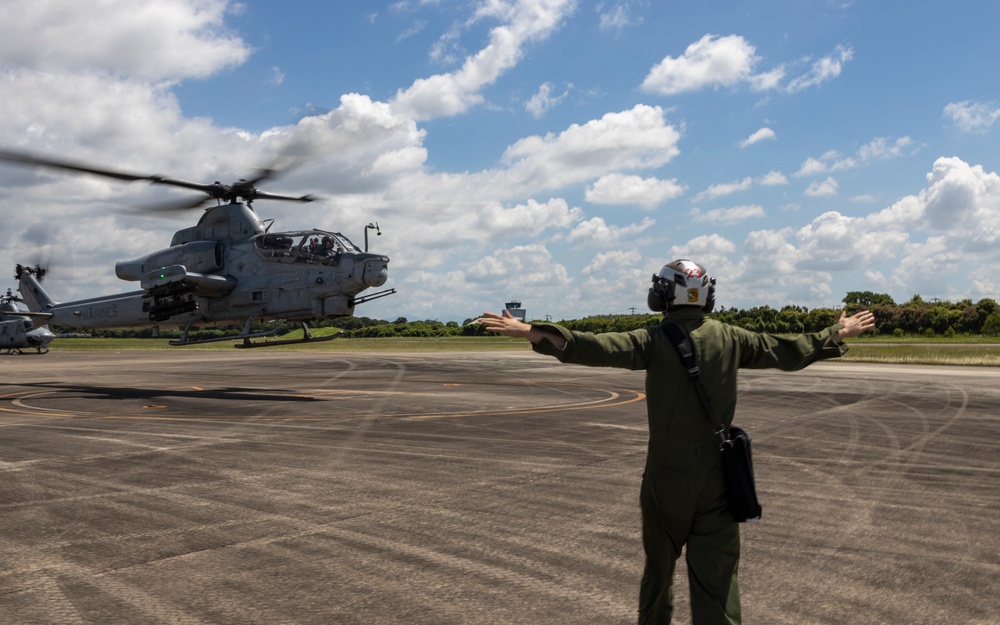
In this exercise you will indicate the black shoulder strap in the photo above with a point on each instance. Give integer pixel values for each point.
(682, 342)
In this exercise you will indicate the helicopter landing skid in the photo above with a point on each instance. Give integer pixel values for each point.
(245, 335)
(19, 351)
(216, 339)
(247, 343)
(306, 338)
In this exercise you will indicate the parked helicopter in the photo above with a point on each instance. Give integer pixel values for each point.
(229, 268)
(20, 330)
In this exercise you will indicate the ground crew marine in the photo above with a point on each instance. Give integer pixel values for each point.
(683, 489)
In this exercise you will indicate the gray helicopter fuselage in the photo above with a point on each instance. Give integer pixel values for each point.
(18, 330)
(226, 268)
(263, 278)
(243, 273)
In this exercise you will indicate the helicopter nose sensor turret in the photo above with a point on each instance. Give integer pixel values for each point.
(376, 271)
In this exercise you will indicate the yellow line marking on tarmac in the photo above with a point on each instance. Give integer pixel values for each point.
(29, 410)
(513, 411)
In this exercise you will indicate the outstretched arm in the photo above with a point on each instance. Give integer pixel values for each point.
(507, 325)
(853, 325)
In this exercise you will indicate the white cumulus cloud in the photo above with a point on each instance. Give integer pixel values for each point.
(822, 188)
(761, 135)
(625, 189)
(543, 100)
(823, 70)
(638, 138)
(878, 149)
(453, 93)
(596, 232)
(143, 39)
(968, 116)
(724, 188)
(728, 216)
(710, 61)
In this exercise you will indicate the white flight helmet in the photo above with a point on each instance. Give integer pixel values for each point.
(682, 283)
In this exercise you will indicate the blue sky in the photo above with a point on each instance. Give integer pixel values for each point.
(551, 151)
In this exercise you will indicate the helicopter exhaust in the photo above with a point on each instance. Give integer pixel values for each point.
(199, 256)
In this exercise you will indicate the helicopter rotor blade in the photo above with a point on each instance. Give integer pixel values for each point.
(196, 186)
(245, 188)
(264, 174)
(24, 158)
(216, 190)
(264, 195)
(177, 206)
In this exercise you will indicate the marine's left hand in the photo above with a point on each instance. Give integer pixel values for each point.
(507, 324)
(854, 325)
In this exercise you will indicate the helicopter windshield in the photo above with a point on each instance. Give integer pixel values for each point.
(310, 246)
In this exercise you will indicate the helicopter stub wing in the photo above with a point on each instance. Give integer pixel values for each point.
(33, 315)
(177, 278)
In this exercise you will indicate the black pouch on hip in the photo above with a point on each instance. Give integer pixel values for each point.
(741, 490)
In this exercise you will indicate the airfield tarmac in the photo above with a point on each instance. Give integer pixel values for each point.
(188, 487)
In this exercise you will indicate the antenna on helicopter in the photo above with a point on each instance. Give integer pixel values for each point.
(374, 227)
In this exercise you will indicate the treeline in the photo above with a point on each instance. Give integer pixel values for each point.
(917, 317)
(913, 318)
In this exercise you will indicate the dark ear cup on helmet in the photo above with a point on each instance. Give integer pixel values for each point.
(655, 301)
(710, 303)
(660, 294)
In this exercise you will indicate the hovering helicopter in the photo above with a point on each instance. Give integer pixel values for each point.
(20, 329)
(229, 268)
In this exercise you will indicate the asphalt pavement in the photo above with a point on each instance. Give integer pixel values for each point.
(277, 487)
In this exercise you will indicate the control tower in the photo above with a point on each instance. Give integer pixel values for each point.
(515, 310)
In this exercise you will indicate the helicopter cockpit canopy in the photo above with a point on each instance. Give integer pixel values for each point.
(316, 247)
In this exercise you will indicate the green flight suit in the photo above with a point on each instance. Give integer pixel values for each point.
(683, 489)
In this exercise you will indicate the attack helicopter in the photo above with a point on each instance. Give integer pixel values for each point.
(229, 268)
(20, 330)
